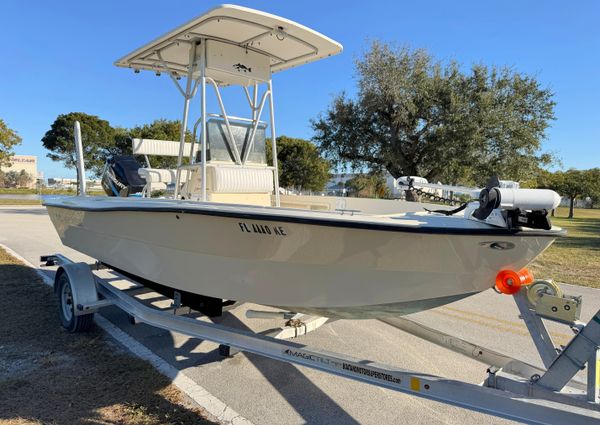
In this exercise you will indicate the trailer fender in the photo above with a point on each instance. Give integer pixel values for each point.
(83, 286)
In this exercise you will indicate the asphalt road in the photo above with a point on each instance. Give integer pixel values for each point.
(270, 392)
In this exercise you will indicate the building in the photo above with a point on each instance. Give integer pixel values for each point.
(336, 184)
(61, 182)
(28, 163)
(69, 183)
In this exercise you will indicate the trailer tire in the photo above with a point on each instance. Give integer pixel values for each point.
(66, 308)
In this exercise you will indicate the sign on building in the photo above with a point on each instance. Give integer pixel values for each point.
(28, 163)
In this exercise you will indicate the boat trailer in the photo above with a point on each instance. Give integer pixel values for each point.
(512, 389)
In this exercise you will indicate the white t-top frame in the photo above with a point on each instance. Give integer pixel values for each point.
(198, 59)
(230, 45)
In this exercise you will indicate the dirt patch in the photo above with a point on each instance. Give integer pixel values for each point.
(48, 376)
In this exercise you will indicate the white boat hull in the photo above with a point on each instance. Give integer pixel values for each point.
(336, 271)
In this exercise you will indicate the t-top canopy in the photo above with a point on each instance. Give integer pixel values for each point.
(283, 43)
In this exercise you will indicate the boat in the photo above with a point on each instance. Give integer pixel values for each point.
(223, 230)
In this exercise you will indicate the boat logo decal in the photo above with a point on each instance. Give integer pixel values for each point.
(498, 245)
(262, 229)
(242, 68)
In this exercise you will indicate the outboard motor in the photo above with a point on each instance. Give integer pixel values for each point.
(121, 178)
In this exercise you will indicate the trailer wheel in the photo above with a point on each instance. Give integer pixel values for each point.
(66, 308)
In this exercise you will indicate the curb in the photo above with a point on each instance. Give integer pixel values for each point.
(215, 407)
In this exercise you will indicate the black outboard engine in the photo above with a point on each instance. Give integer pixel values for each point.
(121, 178)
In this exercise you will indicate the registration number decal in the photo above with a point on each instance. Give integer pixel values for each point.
(262, 229)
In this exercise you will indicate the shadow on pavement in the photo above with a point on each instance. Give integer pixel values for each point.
(313, 404)
(308, 400)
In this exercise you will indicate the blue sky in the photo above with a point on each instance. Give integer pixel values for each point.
(57, 57)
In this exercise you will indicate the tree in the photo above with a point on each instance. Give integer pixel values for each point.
(370, 185)
(416, 116)
(97, 138)
(11, 178)
(8, 139)
(594, 190)
(23, 179)
(101, 141)
(572, 184)
(300, 165)
(595, 198)
(122, 142)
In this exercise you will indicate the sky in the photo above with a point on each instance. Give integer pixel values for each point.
(57, 57)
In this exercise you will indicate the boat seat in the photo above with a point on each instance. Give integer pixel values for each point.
(233, 184)
(159, 178)
(240, 185)
(159, 147)
(235, 179)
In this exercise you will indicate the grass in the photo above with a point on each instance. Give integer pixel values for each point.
(20, 202)
(45, 191)
(48, 376)
(26, 191)
(574, 259)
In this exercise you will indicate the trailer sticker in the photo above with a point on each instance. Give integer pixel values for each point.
(262, 229)
(355, 369)
(313, 358)
(372, 373)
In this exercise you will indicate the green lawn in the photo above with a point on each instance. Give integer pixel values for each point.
(24, 191)
(45, 191)
(20, 202)
(575, 258)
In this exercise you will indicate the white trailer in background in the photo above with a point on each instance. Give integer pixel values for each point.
(512, 389)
